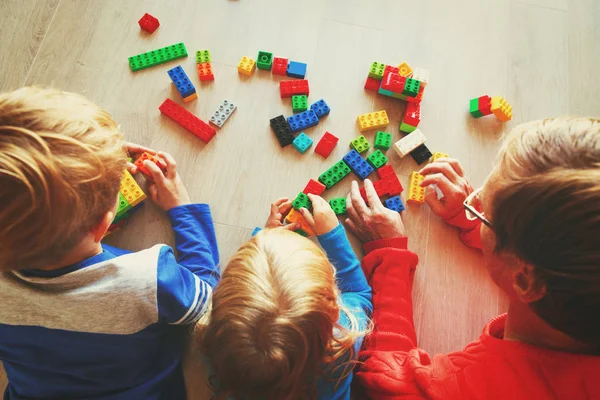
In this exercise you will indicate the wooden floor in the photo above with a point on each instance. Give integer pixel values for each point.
(542, 55)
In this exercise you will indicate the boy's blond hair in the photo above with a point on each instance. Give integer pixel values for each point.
(274, 326)
(61, 160)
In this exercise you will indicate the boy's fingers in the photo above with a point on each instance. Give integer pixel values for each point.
(292, 227)
(152, 191)
(170, 163)
(285, 207)
(308, 217)
(317, 201)
(137, 148)
(157, 175)
(131, 168)
(280, 201)
(372, 197)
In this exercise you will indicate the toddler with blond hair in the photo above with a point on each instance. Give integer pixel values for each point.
(80, 319)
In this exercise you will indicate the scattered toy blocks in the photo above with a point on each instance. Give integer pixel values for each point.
(338, 205)
(501, 109)
(246, 66)
(279, 66)
(302, 201)
(421, 154)
(187, 120)
(394, 84)
(222, 113)
(334, 174)
(297, 218)
(314, 187)
(296, 70)
(405, 70)
(412, 116)
(264, 60)
(303, 120)
(130, 190)
(437, 155)
(148, 23)
(182, 82)
(302, 142)
(376, 71)
(412, 87)
(202, 56)
(383, 141)
(395, 204)
(320, 108)
(474, 108)
(290, 88)
(139, 163)
(372, 84)
(377, 159)
(205, 72)
(326, 144)
(422, 75)
(360, 144)
(358, 165)
(299, 103)
(282, 130)
(374, 120)
(156, 57)
(409, 143)
(416, 193)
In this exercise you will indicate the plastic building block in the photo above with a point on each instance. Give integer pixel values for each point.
(377, 159)
(394, 83)
(302, 142)
(297, 218)
(374, 120)
(405, 70)
(255, 231)
(187, 120)
(501, 109)
(123, 206)
(157, 57)
(485, 105)
(279, 66)
(246, 66)
(416, 193)
(139, 163)
(191, 97)
(383, 141)
(437, 155)
(264, 60)
(302, 201)
(320, 108)
(376, 71)
(409, 142)
(394, 203)
(385, 172)
(389, 68)
(299, 103)
(181, 81)
(326, 144)
(290, 88)
(412, 87)
(202, 56)
(358, 165)
(406, 128)
(296, 70)
(387, 185)
(383, 91)
(360, 144)
(148, 23)
(314, 187)
(205, 72)
(372, 84)
(222, 113)
(334, 174)
(412, 115)
(422, 75)
(474, 108)
(303, 120)
(416, 99)
(282, 131)
(338, 205)
(421, 154)
(131, 190)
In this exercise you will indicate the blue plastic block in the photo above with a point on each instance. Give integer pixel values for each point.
(357, 164)
(320, 108)
(296, 69)
(395, 204)
(256, 230)
(181, 81)
(384, 92)
(303, 120)
(302, 142)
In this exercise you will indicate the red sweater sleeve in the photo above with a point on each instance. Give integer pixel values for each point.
(469, 230)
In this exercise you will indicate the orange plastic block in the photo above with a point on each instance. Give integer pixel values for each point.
(405, 70)
(131, 190)
(295, 217)
(139, 163)
(437, 155)
(416, 193)
(374, 120)
(191, 97)
(246, 66)
(205, 72)
(501, 109)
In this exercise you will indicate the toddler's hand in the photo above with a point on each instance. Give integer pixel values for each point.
(134, 150)
(448, 175)
(323, 219)
(279, 209)
(167, 190)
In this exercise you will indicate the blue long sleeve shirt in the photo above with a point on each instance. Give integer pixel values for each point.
(105, 328)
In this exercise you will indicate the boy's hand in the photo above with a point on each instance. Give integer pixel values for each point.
(449, 176)
(167, 190)
(279, 209)
(134, 150)
(323, 219)
(374, 221)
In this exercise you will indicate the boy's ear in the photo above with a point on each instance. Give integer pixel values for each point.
(527, 285)
(99, 230)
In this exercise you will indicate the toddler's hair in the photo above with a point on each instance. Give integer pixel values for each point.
(61, 160)
(273, 328)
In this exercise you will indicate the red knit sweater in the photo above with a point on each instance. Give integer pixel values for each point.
(489, 368)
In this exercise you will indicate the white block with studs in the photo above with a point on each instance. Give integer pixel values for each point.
(422, 75)
(222, 113)
(409, 142)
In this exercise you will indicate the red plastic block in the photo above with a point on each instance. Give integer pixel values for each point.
(295, 87)
(388, 183)
(393, 82)
(326, 144)
(139, 163)
(205, 72)
(279, 66)
(485, 105)
(148, 23)
(187, 120)
(372, 84)
(412, 114)
(389, 68)
(385, 171)
(417, 99)
(314, 187)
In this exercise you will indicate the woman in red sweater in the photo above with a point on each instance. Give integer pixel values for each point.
(537, 221)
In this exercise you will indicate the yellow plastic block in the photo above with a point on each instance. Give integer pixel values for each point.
(374, 120)
(416, 193)
(437, 155)
(405, 70)
(295, 216)
(131, 190)
(246, 66)
(191, 97)
(501, 109)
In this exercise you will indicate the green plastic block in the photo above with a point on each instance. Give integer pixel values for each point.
(302, 200)
(411, 88)
(157, 57)
(202, 56)
(383, 141)
(406, 128)
(377, 159)
(360, 144)
(334, 174)
(474, 108)
(301, 232)
(264, 60)
(376, 71)
(124, 206)
(338, 205)
(399, 96)
(299, 103)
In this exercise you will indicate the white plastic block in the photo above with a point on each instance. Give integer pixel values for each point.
(409, 142)
(222, 113)
(422, 75)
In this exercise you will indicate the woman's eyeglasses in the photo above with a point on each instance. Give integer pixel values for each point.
(472, 205)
